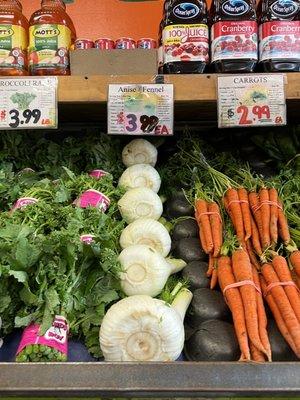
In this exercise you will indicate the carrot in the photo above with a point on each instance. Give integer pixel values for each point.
(214, 278)
(254, 203)
(216, 227)
(204, 223)
(265, 217)
(252, 256)
(256, 355)
(283, 304)
(242, 271)
(283, 229)
(236, 212)
(235, 303)
(295, 261)
(278, 318)
(273, 196)
(262, 317)
(202, 238)
(282, 270)
(255, 237)
(210, 266)
(243, 196)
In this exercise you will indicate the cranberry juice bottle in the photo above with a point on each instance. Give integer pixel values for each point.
(279, 33)
(185, 37)
(234, 42)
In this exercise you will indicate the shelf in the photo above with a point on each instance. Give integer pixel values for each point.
(180, 379)
(83, 99)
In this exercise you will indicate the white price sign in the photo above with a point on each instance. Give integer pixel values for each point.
(28, 103)
(251, 100)
(141, 109)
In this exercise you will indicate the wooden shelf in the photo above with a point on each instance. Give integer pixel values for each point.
(83, 99)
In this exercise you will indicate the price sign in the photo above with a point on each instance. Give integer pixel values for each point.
(28, 103)
(251, 100)
(141, 109)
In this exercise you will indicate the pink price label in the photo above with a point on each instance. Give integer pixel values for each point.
(55, 337)
(87, 239)
(23, 202)
(93, 198)
(98, 173)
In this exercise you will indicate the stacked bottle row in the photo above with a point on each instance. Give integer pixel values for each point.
(38, 47)
(234, 36)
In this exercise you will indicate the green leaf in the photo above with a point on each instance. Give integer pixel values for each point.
(24, 321)
(20, 276)
(28, 297)
(52, 299)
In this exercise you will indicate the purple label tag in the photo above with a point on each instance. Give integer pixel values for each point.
(23, 202)
(93, 198)
(87, 239)
(98, 173)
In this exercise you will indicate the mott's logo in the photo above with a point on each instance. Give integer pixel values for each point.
(5, 31)
(235, 7)
(186, 10)
(46, 32)
(284, 8)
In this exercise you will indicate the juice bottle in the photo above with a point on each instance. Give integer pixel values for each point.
(185, 37)
(279, 32)
(51, 35)
(13, 39)
(234, 41)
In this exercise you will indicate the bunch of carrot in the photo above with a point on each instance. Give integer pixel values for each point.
(208, 217)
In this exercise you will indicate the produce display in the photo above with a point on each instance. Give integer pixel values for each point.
(115, 257)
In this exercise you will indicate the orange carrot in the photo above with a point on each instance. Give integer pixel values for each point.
(243, 196)
(251, 255)
(278, 318)
(235, 208)
(210, 266)
(273, 196)
(262, 317)
(282, 270)
(265, 217)
(202, 238)
(216, 227)
(255, 237)
(242, 271)
(235, 304)
(284, 231)
(214, 278)
(295, 261)
(254, 204)
(283, 304)
(204, 223)
(256, 355)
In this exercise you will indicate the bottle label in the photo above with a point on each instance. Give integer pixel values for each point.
(49, 46)
(13, 45)
(186, 43)
(234, 40)
(279, 40)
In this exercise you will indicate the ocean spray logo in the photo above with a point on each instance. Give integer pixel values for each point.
(186, 10)
(235, 7)
(284, 8)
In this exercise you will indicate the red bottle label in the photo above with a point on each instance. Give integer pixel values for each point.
(279, 40)
(234, 40)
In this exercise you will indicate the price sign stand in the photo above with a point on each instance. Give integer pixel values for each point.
(251, 100)
(141, 109)
(28, 103)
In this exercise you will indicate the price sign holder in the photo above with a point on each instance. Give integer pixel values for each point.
(251, 100)
(141, 109)
(28, 103)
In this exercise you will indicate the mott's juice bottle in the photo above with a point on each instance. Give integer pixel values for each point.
(279, 33)
(185, 37)
(13, 39)
(234, 35)
(51, 35)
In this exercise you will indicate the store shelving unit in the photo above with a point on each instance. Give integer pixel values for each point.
(84, 98)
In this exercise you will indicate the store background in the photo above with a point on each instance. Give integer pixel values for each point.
(110, 18)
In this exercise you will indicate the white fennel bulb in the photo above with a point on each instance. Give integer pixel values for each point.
(144, 270)
(139, 151)
(140, 328)
(140, 203)
(149, 232)
(140, 175)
